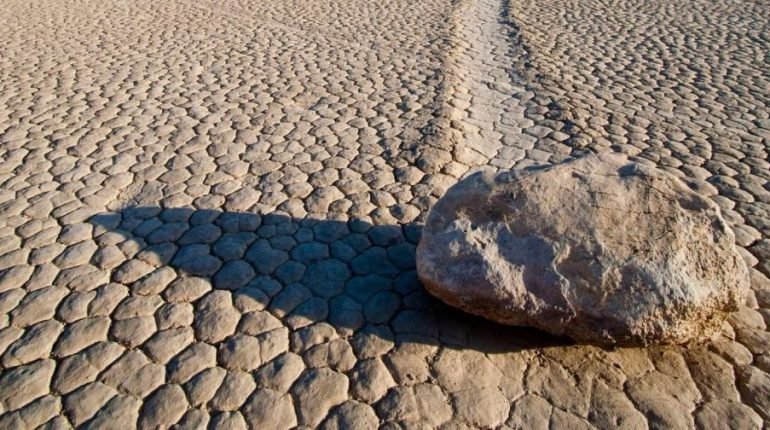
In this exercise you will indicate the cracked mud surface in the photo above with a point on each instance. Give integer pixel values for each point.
(209, 210)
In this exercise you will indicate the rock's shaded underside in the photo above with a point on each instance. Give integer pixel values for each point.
(599, 249)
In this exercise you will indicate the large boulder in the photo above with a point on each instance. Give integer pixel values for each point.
(600, 249)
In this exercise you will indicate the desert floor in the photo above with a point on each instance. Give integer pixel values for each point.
(209, 209)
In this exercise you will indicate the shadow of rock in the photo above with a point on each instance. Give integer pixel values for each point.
(357, 277)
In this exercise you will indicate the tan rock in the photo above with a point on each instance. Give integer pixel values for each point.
(599, 249)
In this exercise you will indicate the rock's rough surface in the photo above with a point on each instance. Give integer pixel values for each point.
(599, 249)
